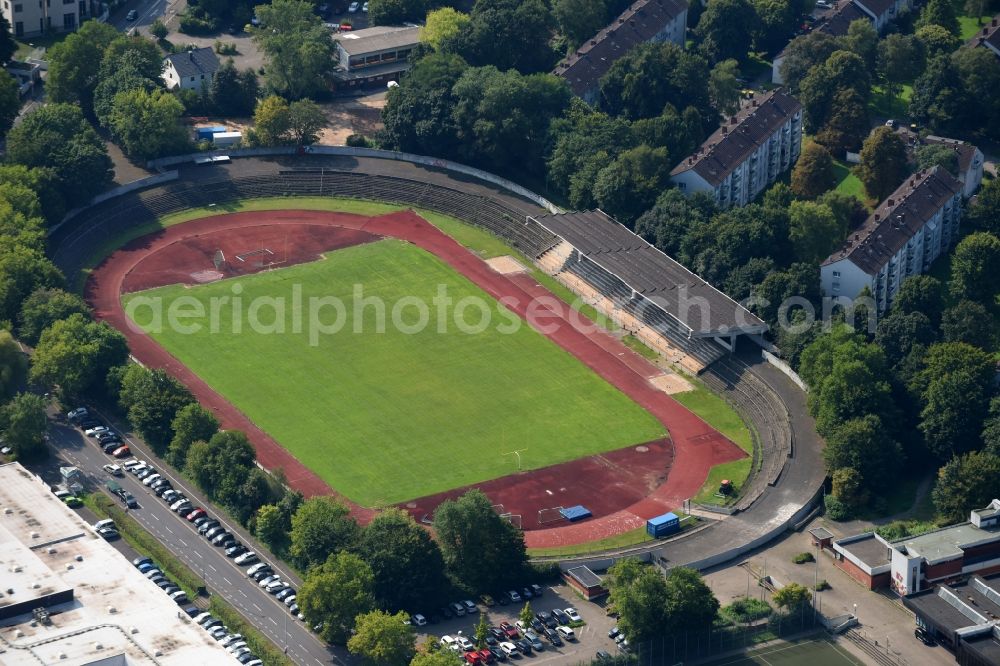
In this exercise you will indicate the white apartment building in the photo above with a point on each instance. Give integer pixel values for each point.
(905, 234)
(28, 18)
(643, 21)
(747, 153)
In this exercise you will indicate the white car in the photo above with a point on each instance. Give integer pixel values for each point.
(101, 524)
(418, 619)
(267, 580)
(508, 648)
(246, 557)
(176, 505)
(566, 633)
(77, 413)
(150, 479)
(255, 568)
(464, 643)
(572, 615)
(95, 431)
(449, 642)
(230, 639)
(353, 8)
(113, 470)
(364, 8)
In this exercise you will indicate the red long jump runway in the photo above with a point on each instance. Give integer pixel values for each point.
(622, 488)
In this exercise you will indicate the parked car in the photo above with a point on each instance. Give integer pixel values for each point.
(560, 616)
(77, 414)
(553, 637)
(566, 633)
(464, 643)
(113, 470)
(364, 8)
(69, 499)
(498, 653)
(235, 550)
(510, 630)
(536, 590)
(514, 596)
(523, 646)
(131, 15)
(418, 620)
(572, 614)
(195, 514)
(457, 608)
(604, 656)
(248, 557)
(509, 649)
(470, 606)
(536, 642)
(96, 430)
(122, 452)
(546, 619)
(352, 8)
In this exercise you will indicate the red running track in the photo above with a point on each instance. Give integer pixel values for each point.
(697, 447)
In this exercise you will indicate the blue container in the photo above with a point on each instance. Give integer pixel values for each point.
(663, 525)
(206, 133)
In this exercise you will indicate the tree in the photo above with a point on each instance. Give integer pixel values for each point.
(57, 136)
(985, 214)
(75, 354)
(813, 173)
(802, 54)
(900, 59)
(225, 468)
(813, 230)
(234, 93)
(974, 266)
(305, 120)
(898, 332)
(158, 29)
(132, 52)
(482, 631)
(921, 293)
(43, 182)
(932, 155)
(443, 25)
(147, 124)
(629, 186)
(335, 593)
(792, 596)
(10, 102)
(862, 444)
(672, 217)
(639, 594)
(883, 165)
(395, 547)
(269, 527)
(193, 423)
(8, 47)
(25, 423)
(968, 322)
(838, 89)
(862, 39)
(271, 121)
(777, 21)
(980, 78)
(939, 98)
(507, 35)
(43, 308)
(579, 20)
(939, 12)
(641, 83)
(321, 526)
(298, 48)
(23, 269)
(437, 658)
(383, 639)
(991, 428)
(74, 63)
(13, 365)
(954, 387)
(691, 606)
(481, 550)
(966, 482)
(527, 614)
(724, 86)
(152, 399)
(726, 28)
(935, 41)
(848, 123)
(394, 12)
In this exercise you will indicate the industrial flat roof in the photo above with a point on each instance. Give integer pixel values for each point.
(585, 576)
(115, 614)
(947, 543)
(651, 273)
(869, 550)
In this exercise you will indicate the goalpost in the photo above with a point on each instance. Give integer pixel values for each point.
(550, 515)
(219, 260)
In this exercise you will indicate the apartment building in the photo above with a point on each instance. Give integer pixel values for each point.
(644, 21)
(968, 158)
(905, 234)
(29, 18)
(746, 154)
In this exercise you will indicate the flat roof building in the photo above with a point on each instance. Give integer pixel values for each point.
(100, 608)
(374, 55)
(902, 237)
(643, 21)
(964, 617)
(747, 153)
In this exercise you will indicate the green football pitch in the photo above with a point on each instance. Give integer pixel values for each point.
(818, 652)
(385, 417)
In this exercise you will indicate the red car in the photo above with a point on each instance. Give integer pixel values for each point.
(122, 452)
(509, 629)
(487, 657)
(194, 515)
(474, 659)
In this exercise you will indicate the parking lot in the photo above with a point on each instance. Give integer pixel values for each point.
(589, 638)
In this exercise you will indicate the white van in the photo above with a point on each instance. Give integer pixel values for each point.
(449, 643)
(566, 633)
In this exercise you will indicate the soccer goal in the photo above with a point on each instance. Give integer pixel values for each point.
(512, 518)
(550, 515)
(219, 260)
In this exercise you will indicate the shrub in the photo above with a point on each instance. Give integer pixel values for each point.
(357, 141)
(746, 609)
(836, 509)
(821, 586)
(158, 29)
(802, 558)
(225, 48)
(195, 25)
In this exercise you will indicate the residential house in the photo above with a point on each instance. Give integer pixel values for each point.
(746, 154)
(969, 158)
(906, 233)
(644, 21)
(988, 36)
(29, 18)
(373, 56)
(190, 70)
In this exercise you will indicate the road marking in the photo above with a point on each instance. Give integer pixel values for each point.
(258, 608)
(182, 542)
(198, 554)
(272, 621)
(154, 516)
(228, 582)
(212, 567)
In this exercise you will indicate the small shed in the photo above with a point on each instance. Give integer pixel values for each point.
(661, 526)
(586, 582)
(206, 133)
(226, 138)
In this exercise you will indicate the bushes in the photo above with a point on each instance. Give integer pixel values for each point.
(836, 509)
(746, 610)
(192, 24)
(802, 558)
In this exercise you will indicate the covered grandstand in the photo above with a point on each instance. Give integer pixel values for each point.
(647, 293)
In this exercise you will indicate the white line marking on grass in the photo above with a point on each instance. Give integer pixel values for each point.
(843, 653)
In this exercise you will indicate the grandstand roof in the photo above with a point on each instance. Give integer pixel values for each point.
(689, 299)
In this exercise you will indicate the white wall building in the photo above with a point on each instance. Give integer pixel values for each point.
(190, 70)
(644, 21)
(747, 153)
(28, 18)
(905, 234)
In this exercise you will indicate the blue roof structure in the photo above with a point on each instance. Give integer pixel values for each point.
(575, 513)
(665, 519)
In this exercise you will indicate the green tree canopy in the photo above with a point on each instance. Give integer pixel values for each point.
(802, 54)
(629, 186)
(863, 444)
(10, 102)
(442, 25)
(813, 173)
(726, 29)
(921, 293)
(57, 136)
(792, 596)
(152, 399)
(883, 165)
(234, 93)
(13, 365)
(985, 214)
(305, 120)
(939, 12)
(898, 332)
(192, 423)
(76, 354)
(382, 639)
(74, 63)
(900, 59)
(225, 468)
(147, 124)
(931, 155)
(650, 76)
(975, 265)
(298, 48)
(396, 548)
(482, 551)
(321, 526)
(507, 34)
(335, 593)
(724, 86)
(939, 98)
(814, 230)
(955, 387)
(43, 308)
(394, 12)
(966, 482)
(579, 20)
(24, 421)
(969, 322)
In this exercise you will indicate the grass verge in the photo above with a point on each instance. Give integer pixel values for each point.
(144, 542)
(968, 26)
(636, 345)
(847, 182)
(624, 540)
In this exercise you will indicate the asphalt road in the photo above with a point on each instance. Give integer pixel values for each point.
(220, 574)
(147, 11)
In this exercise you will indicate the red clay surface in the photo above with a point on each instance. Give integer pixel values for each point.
(622, 488)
